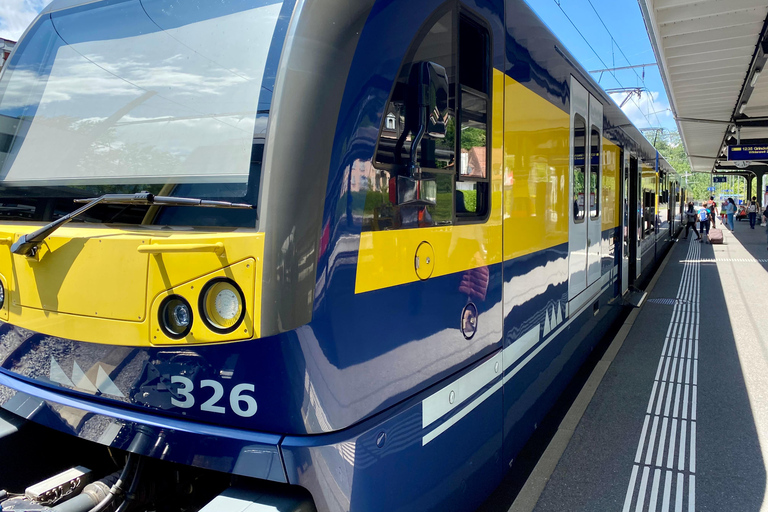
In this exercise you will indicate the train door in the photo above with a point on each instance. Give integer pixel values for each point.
(585, 231)
(635, 218)
(577, 229)
(594, 178)
(624, 222)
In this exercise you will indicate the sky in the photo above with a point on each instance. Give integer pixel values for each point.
(15, 15)
(611, 34)
(615, 37)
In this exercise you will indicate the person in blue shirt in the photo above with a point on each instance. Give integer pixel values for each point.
(704, 222)
(730, 210)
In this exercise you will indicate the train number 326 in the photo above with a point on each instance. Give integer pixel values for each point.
(240, 403)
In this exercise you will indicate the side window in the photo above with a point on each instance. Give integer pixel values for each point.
(594, 174)
(473, 180)
(579, 169)
(459, 187)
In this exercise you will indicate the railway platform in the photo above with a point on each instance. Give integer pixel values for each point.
(674, 417)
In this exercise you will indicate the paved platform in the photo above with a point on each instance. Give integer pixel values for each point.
(679, 421)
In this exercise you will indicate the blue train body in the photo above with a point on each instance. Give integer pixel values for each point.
(372, 400)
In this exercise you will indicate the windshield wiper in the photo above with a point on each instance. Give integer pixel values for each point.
(28, 244)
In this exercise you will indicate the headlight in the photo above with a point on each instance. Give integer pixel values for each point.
(222, 305)
(2, 295)
(175, 317)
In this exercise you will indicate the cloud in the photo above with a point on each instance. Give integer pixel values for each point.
(16, 15)
(641, 110)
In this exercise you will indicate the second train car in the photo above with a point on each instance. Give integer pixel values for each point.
(352, 250)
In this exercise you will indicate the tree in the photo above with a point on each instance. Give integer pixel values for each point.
(670, 146)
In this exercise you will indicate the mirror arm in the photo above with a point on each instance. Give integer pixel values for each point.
(414, 168)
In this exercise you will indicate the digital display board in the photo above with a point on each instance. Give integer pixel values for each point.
(752, 152)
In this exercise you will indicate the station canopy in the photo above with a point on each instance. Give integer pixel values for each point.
(711, 54)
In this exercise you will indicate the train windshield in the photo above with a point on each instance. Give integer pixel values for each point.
(140, 95)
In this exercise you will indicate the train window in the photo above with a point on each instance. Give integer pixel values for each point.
(435, 43)
(393, 150)
(458, 163)
(473, 136)
(579, 170)
(594, 174)
(473, 179)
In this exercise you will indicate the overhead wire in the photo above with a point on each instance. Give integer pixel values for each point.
(557, 2)
(613, 40)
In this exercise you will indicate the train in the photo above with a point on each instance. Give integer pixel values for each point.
(303, 254)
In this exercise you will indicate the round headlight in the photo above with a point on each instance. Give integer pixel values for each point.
(222, 305)
(2, 295)
(175, 317)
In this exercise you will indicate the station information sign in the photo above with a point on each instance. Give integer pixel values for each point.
(752, 152)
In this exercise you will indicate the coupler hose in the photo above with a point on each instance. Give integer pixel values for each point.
(89, 497)
(139, 445)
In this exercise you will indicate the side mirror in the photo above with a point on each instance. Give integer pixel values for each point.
(427, 107)
(416, 192)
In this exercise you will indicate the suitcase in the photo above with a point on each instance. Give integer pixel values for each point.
(715, 236)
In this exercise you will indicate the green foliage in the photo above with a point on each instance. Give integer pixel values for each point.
(670, 145)
(470, 200)
(471, 137)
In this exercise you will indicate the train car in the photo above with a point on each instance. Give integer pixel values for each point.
(311, 254)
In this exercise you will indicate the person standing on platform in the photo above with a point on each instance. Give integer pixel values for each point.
(752, 210)
(730, 210)
(712, 207)
(704, 223)
(723, 214)
(690, 222)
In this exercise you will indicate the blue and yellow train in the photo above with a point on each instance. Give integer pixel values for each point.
(317, 254)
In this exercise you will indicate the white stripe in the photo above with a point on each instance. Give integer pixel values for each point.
(667, 491)
(455, 418)
(671, 451)
(520, 346)
(692, 464)
(660, 398)
(695, 372)
(669, 399)
(677, 401)
(654, 491)
(439, 404)
(666, 368)
(691, 493)
(653, 394)
(679, 494)
(649, 453)
(685, 403)
(693, 402)
(672, 371)
(662, 442)
(641, 494)
(681, 455)
(642, 440)
(630, 489)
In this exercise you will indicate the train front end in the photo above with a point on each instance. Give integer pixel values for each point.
(153, 246)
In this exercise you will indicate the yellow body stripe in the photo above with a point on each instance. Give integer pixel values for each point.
(536, 172)
(611, 185)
